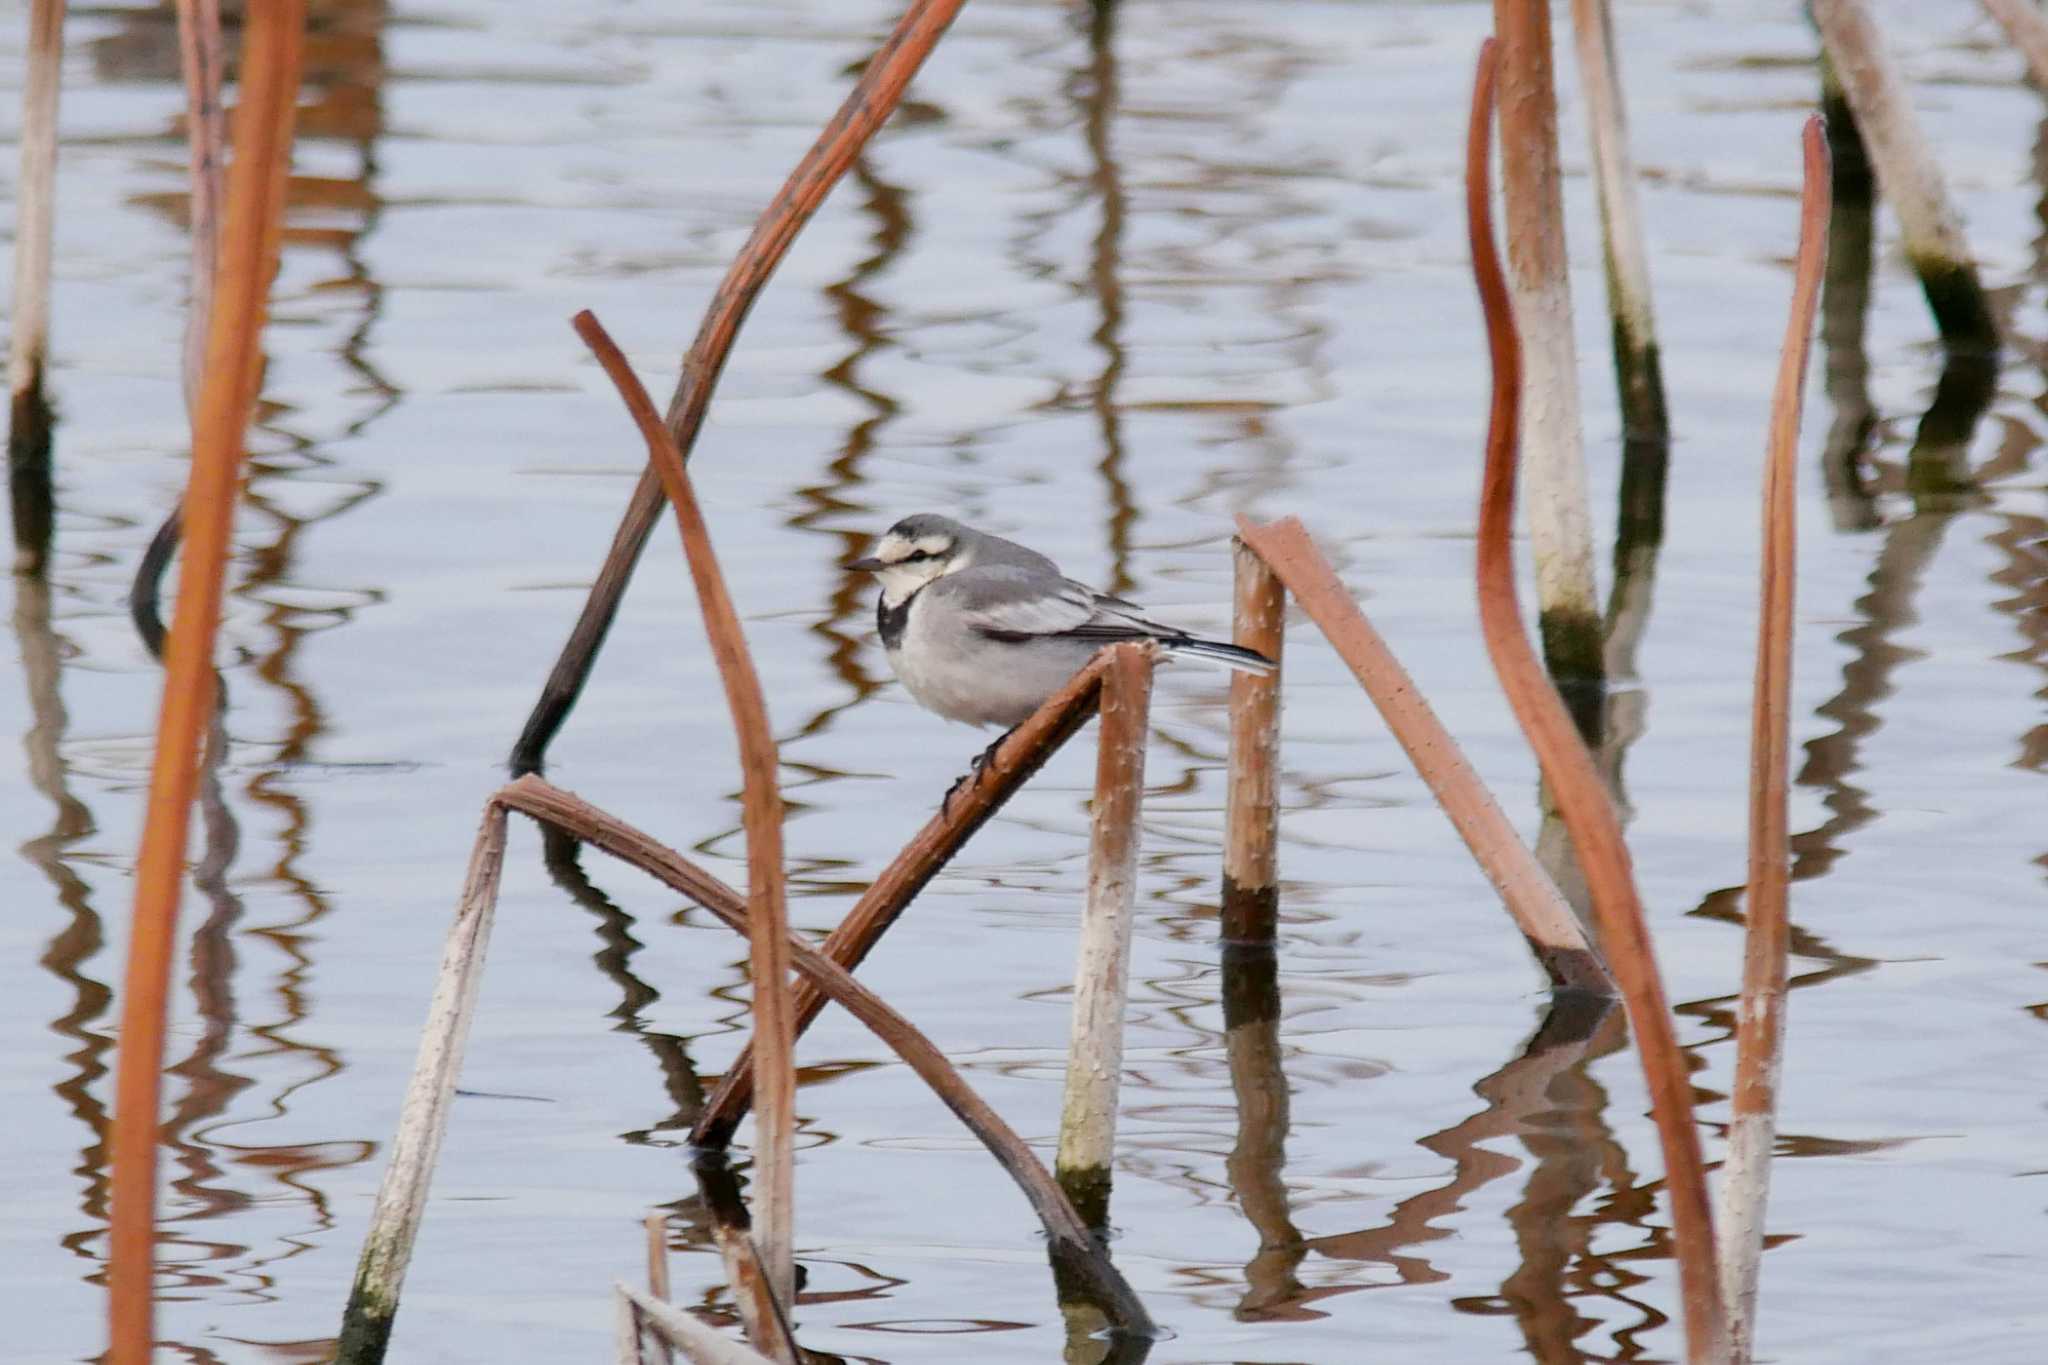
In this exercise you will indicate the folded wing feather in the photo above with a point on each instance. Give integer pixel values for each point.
(1005, 604)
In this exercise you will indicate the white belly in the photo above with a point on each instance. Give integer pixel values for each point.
(966, 677)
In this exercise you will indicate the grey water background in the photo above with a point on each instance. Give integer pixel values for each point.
(1101, 287)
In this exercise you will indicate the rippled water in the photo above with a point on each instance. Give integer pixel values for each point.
(1102, 286)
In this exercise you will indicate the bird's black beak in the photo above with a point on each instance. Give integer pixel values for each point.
(868, 565)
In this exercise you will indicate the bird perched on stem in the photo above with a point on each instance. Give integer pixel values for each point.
(982, 630)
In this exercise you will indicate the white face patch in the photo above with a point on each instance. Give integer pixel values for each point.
(910, 564)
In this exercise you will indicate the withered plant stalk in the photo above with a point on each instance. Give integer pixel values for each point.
(1907, 172)
(1251, 802)
(1759, 1033)
(271, 46)
(423, 1120)
(1560, 527)
(1581, 796)
(761, 813)
(1095, 1051)
(1637, 368)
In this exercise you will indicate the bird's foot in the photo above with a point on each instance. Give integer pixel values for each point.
(974, 771)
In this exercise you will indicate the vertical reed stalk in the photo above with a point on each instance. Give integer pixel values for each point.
(271, 46)
(422, 1122)
(1560, 528)
(2024, 23)
(1531, 898)
(1581, 797)
(1636, 366)
(30, 417)
(1095, 1057)
(1907, 173)
(1251, 821)
(761, 815)
(1759, 1034)
(868, 105)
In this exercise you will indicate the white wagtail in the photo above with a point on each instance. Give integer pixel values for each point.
(983, 630)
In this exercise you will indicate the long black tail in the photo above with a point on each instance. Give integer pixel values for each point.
(1233, 656)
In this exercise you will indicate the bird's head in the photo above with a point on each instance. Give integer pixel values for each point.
(915, 551)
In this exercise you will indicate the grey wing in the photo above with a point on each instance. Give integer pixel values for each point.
(1010, 604)
(1112, 618)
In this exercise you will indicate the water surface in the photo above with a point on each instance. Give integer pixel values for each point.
(1102, 286)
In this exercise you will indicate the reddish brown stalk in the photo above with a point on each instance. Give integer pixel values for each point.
(1251, 803)
(1073, 1248)
(1021, 753)
(263, 131)
(1580, 795)
(1759, 1032)
(1531, 898)
(761, 814)
(866, 108)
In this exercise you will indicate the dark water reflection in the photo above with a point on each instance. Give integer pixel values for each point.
(1120, 271)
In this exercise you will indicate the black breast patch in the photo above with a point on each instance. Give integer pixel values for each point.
(893, 620)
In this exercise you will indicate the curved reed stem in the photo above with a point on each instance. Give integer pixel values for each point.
(761, 816)
(1581, 797)
(1759, 1031)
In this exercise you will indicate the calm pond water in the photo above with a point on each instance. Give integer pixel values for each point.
(1100, 287)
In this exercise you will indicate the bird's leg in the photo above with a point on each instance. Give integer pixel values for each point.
(974, 770)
